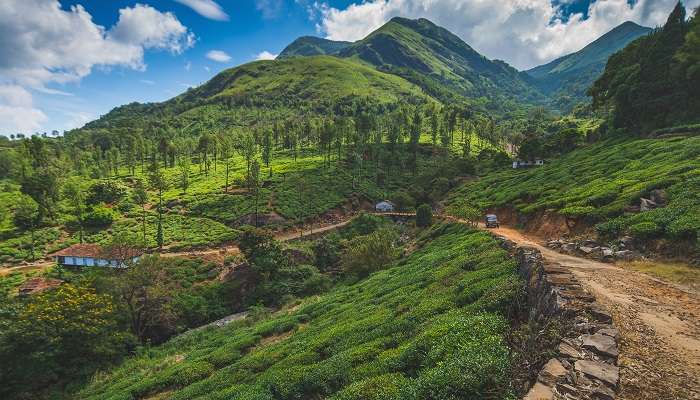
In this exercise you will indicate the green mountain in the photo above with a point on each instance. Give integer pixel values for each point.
(566, 79)
(241, 96)
(441, 63)
(312, 46)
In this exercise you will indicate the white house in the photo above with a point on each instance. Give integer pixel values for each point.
(384, 206)
(93, 255)
(523, 164)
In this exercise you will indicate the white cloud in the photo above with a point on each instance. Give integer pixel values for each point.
(17, 112)
(218, 56)
(206, 8)
(148, 28)
(43, 44)
(265, 55)
(147, 81)
(525, 33)
(188, 66)
(270, 9)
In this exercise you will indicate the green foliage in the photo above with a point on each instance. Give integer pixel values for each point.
(651, 83)
(100, 217)
(397, 334)
(424, 215)
(368, 253)
(60, 334)
(602, 184)
(106, 191)
(645, 230)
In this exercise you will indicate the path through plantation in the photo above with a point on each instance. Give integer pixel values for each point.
(659, 324)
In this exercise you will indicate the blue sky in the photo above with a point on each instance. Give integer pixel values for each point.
(66, 62)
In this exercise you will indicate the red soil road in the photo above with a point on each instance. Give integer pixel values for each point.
(659, 324)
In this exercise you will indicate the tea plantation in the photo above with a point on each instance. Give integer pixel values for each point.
(601, 184)
(431, 326)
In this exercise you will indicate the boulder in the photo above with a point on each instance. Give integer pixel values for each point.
(587, 249)
(539, 392)
(647, 204)
(568, 351)
(552, 372)
(606, 373)
(601, 344)
(626, 255)
(607, 252)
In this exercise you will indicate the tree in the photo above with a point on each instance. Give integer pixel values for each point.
(183, 165)
(145, 289)
(267, 149)
(368, 253)
(262, 251)
(140, 197)
(254, 185)
(158, 182)
(465, 212)
(58, 335)
(26, 217)
(73, 193)
(248, 149)
(424, 215)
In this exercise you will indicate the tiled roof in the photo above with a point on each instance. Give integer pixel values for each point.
(80, 250)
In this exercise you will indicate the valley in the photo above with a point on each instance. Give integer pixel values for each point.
(330, 205)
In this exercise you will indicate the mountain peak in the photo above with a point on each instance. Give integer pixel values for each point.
(312, 46)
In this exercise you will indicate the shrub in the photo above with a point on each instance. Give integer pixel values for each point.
(403, 201)
(366, 254)
(106, 192)
(424, 215)
(99, 217)
(645, 230)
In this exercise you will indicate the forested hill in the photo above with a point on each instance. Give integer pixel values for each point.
(655, 81)
(312, 46)
(404, 61)
(265, 91)
(441, 63)
(566, 79)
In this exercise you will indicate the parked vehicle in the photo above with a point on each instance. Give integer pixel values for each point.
(491, 221)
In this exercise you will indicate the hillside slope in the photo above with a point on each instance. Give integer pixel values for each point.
(426, 327)
(440, 62)
(567, 78)
(281, 88)
(602, 185)
(312, 46)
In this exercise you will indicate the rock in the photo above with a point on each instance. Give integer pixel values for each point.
(601, 344)
(659, 197)
(624, 254)
(603, 393)
(590, 243)
(606, 373)
(626, 241)
(566, 389)
(568, 247)
(551, 372)
(600, 315)
(568, 350)
(606, 252)
(539, 392)
(612, 332)
(587, 249)
(647, 204)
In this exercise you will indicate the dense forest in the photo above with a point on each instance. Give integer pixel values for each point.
(213, 187)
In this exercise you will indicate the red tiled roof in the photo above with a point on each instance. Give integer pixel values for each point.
(80, 250)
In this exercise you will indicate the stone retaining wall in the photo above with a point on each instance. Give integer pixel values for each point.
(585, 366)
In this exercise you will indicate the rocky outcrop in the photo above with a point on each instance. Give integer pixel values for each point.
(591, 249)
(585, 365)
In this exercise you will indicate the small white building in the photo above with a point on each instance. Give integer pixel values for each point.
(93, 255)
(524, 164)
(384, 206)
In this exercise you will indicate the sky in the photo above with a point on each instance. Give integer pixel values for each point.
(66, 62)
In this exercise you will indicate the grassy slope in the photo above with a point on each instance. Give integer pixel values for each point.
(262, 91)
(435, 58)
(426, 327)
(600, 181)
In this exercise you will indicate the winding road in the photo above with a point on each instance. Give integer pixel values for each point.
(659, 322)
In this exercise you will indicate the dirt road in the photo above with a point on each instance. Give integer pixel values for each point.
(659, 325)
